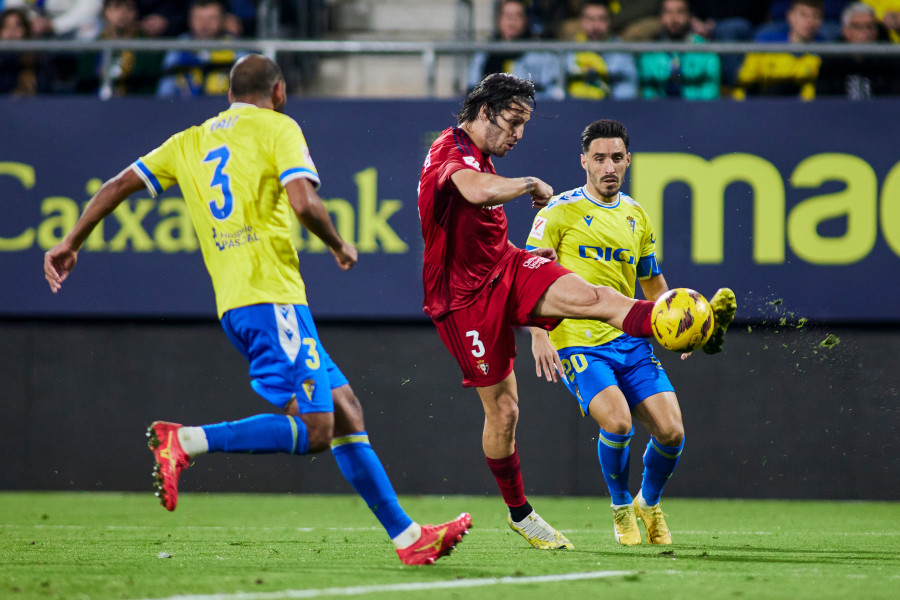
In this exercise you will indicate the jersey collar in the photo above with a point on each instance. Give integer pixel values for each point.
(601, 203)
(242, 105)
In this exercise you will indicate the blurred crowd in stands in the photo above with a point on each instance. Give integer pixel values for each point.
(699, 75)
(586, 74)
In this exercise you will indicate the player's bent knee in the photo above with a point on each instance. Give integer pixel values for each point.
(672, 436)
(617, 426)
(320, 429)
(591, 301)
(348, 412)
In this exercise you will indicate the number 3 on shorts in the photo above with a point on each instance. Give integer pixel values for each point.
(313, 361)
(479, 347)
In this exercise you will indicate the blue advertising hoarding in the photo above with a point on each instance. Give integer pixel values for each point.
(788, 203)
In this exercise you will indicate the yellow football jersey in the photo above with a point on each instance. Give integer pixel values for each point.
(608, 244)
(232, 170)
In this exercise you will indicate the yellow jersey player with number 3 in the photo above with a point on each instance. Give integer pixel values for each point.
(605, 236)
(245, 175)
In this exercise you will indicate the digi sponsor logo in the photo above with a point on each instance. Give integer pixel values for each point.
(537, 230)
(534, 262)
(606, 254)
(472, 162)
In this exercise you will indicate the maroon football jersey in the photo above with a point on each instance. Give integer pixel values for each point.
(465, 244)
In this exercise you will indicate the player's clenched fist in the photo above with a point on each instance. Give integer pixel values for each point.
(346, 256)
(540, 191)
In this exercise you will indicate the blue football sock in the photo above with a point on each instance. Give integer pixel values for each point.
(612, 448)
(361, 467)
(659, 464)
(262, 434)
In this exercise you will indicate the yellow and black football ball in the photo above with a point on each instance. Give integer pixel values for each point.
(682, 320)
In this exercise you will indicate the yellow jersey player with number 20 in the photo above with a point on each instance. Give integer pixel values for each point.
(605, 236)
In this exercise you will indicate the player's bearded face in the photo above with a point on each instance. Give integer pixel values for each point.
(606, 161)
(509, 127)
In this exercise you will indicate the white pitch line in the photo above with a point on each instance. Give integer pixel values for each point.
(402, 587)
(326, 529)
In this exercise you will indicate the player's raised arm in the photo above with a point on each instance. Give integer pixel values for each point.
(486, 189)
(312, 214)
(61, 258)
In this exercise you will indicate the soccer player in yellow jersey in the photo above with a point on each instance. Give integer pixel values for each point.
(242, 174)
(605, 236)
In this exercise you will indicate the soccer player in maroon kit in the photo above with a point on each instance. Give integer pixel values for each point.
(478, 286)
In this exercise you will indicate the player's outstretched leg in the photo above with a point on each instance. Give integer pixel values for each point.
(171, 460)
(435, 541)
(625, 526)
(723, 305)
(539, 533)
(654, 520)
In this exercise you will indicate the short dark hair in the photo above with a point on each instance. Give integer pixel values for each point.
(496, 92)
(817, 4)
(204, 3)
(605, 129)
(586, 3)
(23, 18)
(254, 75)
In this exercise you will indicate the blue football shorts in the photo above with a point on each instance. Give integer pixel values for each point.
(286, 357)
(627, 362)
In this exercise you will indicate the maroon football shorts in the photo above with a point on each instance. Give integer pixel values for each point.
(480, 336)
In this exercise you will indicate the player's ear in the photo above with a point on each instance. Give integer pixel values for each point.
(628, 159)
(584, 161)
(279, 94)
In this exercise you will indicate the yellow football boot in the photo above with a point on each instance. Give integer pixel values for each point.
(723, 305)
(625, 526)
(654, 520)
(539, 533)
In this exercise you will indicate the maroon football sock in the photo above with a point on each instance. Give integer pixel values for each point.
(509, 478)
(637, 321)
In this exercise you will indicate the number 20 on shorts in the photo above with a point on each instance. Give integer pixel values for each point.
(577, 362)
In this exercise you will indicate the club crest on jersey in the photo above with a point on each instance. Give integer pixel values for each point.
(309, 388)
(483, 366)
(534, 262)
(631, 222)
(472, 162)
(537, 230)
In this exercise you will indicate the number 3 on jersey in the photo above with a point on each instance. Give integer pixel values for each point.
(221, 179)
(476, 343)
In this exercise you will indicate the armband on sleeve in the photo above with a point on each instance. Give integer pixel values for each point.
(648, 266)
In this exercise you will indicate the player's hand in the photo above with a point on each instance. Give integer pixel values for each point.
(58, 263)
(546, 359)
(346, 256)
(548, 253)
(686, 355)
(540, 193)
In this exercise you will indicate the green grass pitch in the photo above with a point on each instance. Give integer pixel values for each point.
(266, 547)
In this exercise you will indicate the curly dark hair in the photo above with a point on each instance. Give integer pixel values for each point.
(604, 128)
(496, 92)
